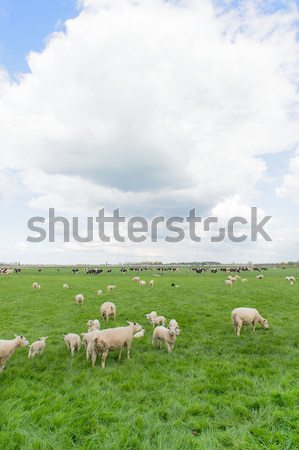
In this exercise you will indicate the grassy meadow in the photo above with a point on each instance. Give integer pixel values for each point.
(215, 391)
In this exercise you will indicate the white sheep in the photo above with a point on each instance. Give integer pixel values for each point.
(110, 287)
(244, 280)
(260, 277)
(136, 279)
(139, 334)
(37, 347)
(173, 324)
(231, 278)
(99, 292)
(65, 286)
(151, 283)
(228, 283)
(93, 325)
(151, 315)
(142, 283)
(167, 335)
(86, 341)
(113, 339)
(72, 342)
(8, 347)
(246, 316)
(291, 279)
(159, 320)
(35, 285)
(107, 310)
(79, 299)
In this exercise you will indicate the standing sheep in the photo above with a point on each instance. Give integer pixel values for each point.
(79, 299)
(37, 347)
(110, 287)
(159, 320)
(65, 286)
(113, 339)
(151, 315)
(8, 347)
(246, 316)
(142, 283)
(93, 325)
(107, 310)
(72, 342)
(99, 292)
(152, 283)
(167, 335)
(229, 283)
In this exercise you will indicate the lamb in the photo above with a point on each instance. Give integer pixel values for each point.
(93, 325)
(37, 347)
(86, 341)
(110, 287)
(246, 316)
(140, 334)
(231, 278)
(167, 335)
(142, 283)
(79, 299)
(228, 283)
(151, 315)
(8, 347)
(72, 342)
(99, 292)
(244, 280)
(159, 320)
(291, 279)
(260, 277)
(65, 286)
(173, 324)
(113, 339)
(151, 283)
(107, 310)
(35, 285)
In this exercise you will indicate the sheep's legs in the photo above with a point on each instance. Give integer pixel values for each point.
(129, 352)
(93, 359)
(239, 326)
(104, 356)
(120, 353)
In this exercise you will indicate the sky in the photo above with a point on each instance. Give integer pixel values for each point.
(154, 107)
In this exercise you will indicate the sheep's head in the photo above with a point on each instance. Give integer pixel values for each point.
(265, 324)
(22, 341)
(136, 327)
(90, 323)
(43, 338)
(172, 332)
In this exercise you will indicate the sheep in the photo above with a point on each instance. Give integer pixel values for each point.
(8, 347)
(136, 279)
(93, 325)
(244, 280)
(110, 287)
(228, 283)
(99, 292)
(86, 341)
(151, 315)
(159, 320)
(35, 285)
(140, 334)
(113, 339)
(151, 283)
(37, 347)
(107, 310)
(142, 283)
(65, 286)
(245, 316)
(72, 342)
(173, 324)
(260, 277)
(167, 335)
(291, 279)
(231, 278)
(79, 299)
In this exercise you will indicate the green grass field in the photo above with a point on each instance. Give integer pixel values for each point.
(215, 391)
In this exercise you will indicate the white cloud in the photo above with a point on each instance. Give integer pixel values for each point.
(290, 184)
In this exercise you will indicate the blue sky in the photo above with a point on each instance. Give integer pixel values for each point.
(125, 111)
(24, 26)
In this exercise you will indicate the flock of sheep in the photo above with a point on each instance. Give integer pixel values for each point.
(97, 341)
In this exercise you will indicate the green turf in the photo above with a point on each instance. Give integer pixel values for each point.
(215, 391)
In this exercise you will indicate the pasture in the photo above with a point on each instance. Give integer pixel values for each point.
(215, 391)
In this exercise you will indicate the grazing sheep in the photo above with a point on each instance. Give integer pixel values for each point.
(142, 283)
(107, 310)
(167, 335)
(260, 277)
(8, 347)
(244, 280)
(151, 315)
(140, 334)
(79, 299)
(35, 285)
(65, 286)
(159, 320)
(228, 283)
(136, 279)
(110, 287)
(72, 342)
(99, 292)
(246, 316)
(151, 283)
(37, 347)
(113, 339)
(86, 341)
(93, 325)
(291, 279)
